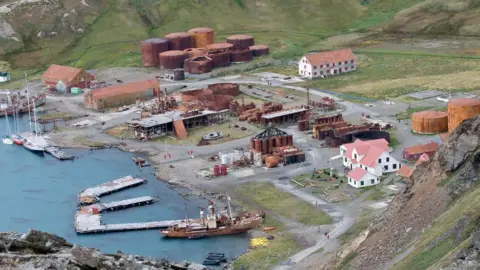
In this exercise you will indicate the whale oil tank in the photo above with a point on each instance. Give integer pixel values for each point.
(172, 59)
(240, 55)
(461, 109)
(259, 50)
(198, 65)
(194, 52)
(219, 46)
(179, 40)
(219, 58)
(429, 122)
(150, 50)
(202, 36)
(241, 41)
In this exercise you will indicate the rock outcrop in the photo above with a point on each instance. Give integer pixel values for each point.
(40, 250)
(433, 186)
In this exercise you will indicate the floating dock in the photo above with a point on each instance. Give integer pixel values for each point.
(57, 153)
(111, 187)
(113, 206)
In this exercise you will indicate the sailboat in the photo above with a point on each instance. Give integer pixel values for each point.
(28, 144)
(6, 138)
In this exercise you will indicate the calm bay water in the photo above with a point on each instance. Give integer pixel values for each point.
(40, 193)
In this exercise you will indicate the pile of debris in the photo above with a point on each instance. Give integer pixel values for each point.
(325, 104)
(236, 109)
(255, 115)
(40, 250)
(159, 105)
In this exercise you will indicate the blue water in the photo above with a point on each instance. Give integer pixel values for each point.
(40, 192)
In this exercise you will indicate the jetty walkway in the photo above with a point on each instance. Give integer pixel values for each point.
(57, 153)
(89, 220)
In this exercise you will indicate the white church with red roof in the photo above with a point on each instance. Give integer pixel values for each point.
(367, 161)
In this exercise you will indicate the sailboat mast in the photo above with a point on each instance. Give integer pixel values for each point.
(229, 208)
(28, 104)
(186, 213)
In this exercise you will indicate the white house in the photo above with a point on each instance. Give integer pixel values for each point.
(323, 64)
(367, 161)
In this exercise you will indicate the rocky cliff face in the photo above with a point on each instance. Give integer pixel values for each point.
(40, 250)
(450, 172)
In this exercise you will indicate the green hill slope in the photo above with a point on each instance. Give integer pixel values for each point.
(102, 33)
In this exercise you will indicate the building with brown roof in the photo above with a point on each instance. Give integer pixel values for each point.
(326, 63)
(122, 94)
(414, 152)
(70, 76)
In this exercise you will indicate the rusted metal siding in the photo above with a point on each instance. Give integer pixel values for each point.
(194, 52)
(241, 55)
(202, 36)
(241, 41)
(150, 50)
(220, 59)
(218, 102)
(429, 122)
(123, 99)
(198, 65)
(460, 110)
(179, 41)
(194, 94)
(219, 47)
(259, 50)
(172, 59)
(231, 89)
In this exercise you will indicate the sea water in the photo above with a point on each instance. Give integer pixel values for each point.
(41, 193)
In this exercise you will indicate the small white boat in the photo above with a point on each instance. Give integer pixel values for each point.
(33, 148)
(7, 140)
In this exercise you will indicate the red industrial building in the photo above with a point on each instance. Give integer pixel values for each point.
(414, 152)
(70, 76)
(122, 94)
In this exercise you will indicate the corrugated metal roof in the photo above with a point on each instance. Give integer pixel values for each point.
(125, 88)
(424, 148)
(326, 57)
(61, 72)
(152, 121)
(282, 113)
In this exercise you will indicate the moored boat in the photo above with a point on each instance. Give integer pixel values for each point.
(7, 140)
(17, 139)
(33, 148)
(213, 225)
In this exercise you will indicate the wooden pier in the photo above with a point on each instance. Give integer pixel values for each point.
(57, 153)
(112, 186)
(117, 205)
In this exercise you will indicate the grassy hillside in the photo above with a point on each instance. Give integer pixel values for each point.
(456, 17)
(105, 33)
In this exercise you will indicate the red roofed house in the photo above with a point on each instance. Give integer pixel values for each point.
(70, 76)
(122, 94)
(414, 152)
(322, 64)
(367, 161)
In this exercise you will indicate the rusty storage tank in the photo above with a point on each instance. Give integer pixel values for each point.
(271, 161)
(218, 102)
(241, 41)
(220, 59)
(270, 145)
(289, 140)
(150, 50)
(252, 143)
(194, 52)
(231, 89)
(198, 65)
(202, 36)
(179, 41)
(219, 47)
(429, 122)
(259, 50)
(194, 94)
(241, 55)
(461, 109)
(178, 74)
(264, 146)
(258, 145)
(172, 59)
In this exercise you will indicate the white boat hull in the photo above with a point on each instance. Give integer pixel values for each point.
(7, 141)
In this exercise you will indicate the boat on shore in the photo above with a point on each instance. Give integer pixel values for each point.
(213, 225)
(34, 148)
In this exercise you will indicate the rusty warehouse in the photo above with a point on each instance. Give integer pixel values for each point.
(122, 94)
(174, 122)
(70, 76)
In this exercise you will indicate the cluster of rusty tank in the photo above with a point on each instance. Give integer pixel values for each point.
(237, 109)
(268, 145)
(197, 52)
(254, 115)
(215, 97)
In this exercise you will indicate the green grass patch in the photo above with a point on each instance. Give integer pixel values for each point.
(376, 195)
(89, 143)
(394, 142)
(54, 115)
(408, 114)
(363, 221)
(285, 204)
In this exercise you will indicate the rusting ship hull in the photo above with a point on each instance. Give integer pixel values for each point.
(203, 233)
